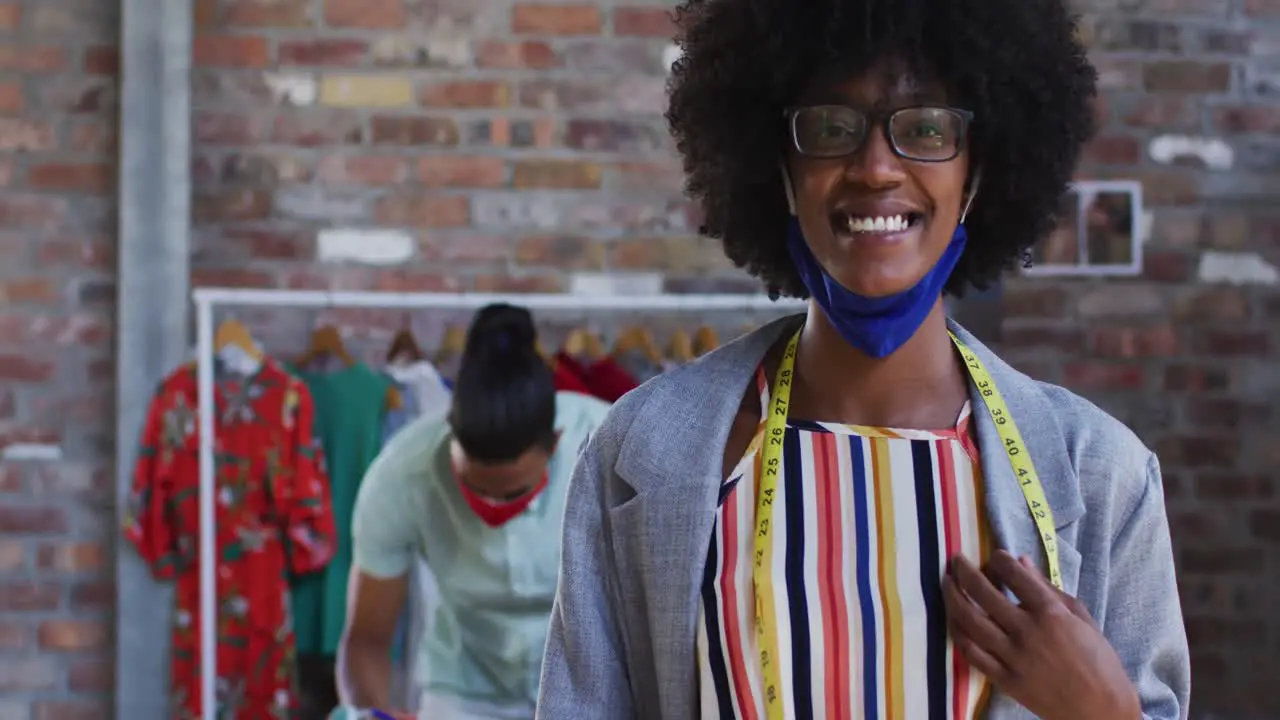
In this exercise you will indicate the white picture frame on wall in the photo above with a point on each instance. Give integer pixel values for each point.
(1100, 233)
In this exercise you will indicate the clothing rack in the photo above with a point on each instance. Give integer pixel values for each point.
(206, 299)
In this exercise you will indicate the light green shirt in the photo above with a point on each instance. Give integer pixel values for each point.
(496, 585)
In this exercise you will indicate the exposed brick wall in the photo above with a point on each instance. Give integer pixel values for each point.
(501, 146)
(57, 138)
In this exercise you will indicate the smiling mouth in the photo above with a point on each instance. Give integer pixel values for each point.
(848, 224)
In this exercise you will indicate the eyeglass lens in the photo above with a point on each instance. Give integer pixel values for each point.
(922, 133)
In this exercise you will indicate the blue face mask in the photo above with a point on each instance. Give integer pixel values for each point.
(876, 326)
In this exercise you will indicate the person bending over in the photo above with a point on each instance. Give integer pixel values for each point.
(479, 497)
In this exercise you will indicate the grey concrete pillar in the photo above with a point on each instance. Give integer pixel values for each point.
(152, 315)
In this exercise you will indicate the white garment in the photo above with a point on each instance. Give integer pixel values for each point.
(446, 707)
(428, 387)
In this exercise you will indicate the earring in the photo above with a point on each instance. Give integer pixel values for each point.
(973, 192)
(786, 187)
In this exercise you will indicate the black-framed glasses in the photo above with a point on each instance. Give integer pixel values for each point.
(924, 133)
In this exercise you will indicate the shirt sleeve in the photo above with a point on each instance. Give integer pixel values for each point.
(302, 487)
(383, 527)
(149, 520)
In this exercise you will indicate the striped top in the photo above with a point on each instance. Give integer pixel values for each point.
(864, 521)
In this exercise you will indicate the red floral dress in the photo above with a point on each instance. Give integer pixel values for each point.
(274, 518)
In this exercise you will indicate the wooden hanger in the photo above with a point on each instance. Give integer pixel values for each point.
(575, 343)
(681, 347)
(405, 347)
(705, 340)
(453, 342)
(232, 332)
(593, 347)
(637, 339)
(326, 340)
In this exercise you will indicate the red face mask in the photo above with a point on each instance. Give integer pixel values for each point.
(495, 513)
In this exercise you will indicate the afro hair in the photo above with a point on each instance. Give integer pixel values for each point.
(1018, 65)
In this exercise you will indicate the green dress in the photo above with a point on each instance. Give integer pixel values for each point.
(350, 404)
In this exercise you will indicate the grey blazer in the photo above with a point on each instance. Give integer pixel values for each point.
(643, 503)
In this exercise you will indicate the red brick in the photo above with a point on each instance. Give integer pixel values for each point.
(1039, 338)
(10, 16)
(466, 94)
(333, 52)
(1036, 301)
(75, 177)
(517, 55)
(1233, 343)
(541, 283)
(1213, 305)
(21, 368)
(1187, 76)
(81, 94)
(14, 634)
(1262, 8)
(92, 136)
(93, 253)
(251, 51)
(70, 710)
(11, 97)
(226, 128)
(462, 171)
(557, 174)
(1200, 451)
(71, 557)
(32, 58)
(467, 249)
(1220, 561)
(90, 676)
(267, 13)
(403, 280)
(231, 204)
(427, 211)
(374, 14)
(93, 596)
(1247, 119)
(564, 252)
(373, 170)
(230, 277)
(13, 553)
(102, 60)
(556, 19)
(1122, 342)
(72, 634)
(28, 291)
(595, 135)
(310, 128)
(649, 176)
(414, 131)
(1225, 413)
(32, 212)
(29, 597)
(22, 135)
(643, 21)
(1188, 378)
(1103, 376)
(1113, 150)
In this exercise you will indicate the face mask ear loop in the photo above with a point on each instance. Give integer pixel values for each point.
(973, 192)
(786, 186)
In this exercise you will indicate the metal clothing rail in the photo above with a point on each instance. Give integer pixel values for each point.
(206, 299)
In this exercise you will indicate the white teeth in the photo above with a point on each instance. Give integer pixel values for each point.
(890, 223)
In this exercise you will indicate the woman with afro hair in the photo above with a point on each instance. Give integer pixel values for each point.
(861, 512)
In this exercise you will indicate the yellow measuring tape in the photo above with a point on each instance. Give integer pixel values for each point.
(775, 433)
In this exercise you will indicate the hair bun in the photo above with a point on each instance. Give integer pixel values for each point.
(502, 327)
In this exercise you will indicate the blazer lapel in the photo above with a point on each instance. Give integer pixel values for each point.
(1007, 512)
(665, 527)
